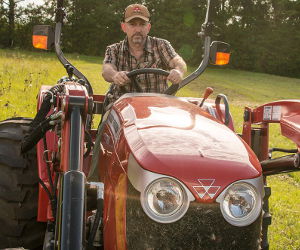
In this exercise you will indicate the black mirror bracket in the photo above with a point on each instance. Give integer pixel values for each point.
(71, 70)
(60, 15)
(207, 29)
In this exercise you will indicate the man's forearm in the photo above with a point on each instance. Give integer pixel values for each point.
(178, 63)
(108, 72)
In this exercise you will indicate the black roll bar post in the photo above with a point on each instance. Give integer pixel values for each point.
(60, 14)
(206, 32)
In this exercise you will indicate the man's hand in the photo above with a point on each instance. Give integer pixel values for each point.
(110, 74)
(175, 76)
(120, 78)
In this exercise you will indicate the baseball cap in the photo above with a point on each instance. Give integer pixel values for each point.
(136, 11)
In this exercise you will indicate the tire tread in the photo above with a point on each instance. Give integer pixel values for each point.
(18, 189)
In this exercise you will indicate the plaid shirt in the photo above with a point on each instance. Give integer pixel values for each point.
(157, 54)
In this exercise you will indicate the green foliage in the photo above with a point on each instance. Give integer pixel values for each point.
(264, 35)
(245, 87)
(22, 73)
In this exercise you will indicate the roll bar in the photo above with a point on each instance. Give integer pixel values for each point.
(206, 31)
(60, 14)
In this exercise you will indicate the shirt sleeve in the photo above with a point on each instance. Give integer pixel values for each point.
(167, 51)
(110, 55)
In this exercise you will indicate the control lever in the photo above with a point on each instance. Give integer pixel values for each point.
(207, 93)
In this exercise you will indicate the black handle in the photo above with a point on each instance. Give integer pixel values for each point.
(60, 14)
(217, 102)
(147, 71)
(209, 11)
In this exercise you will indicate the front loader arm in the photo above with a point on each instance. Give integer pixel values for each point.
(256, 133)
(72, 178)
(61, 161)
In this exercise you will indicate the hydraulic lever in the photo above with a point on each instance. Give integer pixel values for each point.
(207, 93)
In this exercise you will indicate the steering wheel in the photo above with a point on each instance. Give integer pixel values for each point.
(132, 74)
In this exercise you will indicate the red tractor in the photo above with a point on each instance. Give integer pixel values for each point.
(171, 171)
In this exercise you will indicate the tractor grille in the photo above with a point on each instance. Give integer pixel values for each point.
(202, 227)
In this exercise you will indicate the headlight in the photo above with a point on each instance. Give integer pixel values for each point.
(241, 204)
(164, 200)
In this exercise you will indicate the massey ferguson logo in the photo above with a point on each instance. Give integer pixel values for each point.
(206, 188)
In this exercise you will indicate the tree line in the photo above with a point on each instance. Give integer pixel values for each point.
(264, 34)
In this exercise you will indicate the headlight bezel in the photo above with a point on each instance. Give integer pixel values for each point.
(256, 187)
(169, 218)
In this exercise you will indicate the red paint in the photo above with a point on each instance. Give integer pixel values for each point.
(43, 203)
(170, 136)
(71, 89)
(99, 98)
(288, 117)
(174, 137)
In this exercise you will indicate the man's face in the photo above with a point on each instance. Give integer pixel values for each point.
(136, 30)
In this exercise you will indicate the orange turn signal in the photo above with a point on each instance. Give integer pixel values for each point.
(222, 58)
(40, 42)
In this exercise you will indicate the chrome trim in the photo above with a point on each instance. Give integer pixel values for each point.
(258, 185)
(141, 178)
(165, 218)
(100, 188)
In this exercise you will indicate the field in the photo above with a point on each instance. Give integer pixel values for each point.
(22, 73)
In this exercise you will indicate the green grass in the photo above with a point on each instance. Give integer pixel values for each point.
(243, 87)
(22, 73)
(285, 209)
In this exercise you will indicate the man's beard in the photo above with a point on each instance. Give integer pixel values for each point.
(138, 39)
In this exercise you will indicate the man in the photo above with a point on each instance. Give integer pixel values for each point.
(138, 50)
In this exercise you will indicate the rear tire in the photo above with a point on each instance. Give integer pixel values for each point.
(18, 189)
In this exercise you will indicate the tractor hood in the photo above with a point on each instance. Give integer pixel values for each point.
(170, 136)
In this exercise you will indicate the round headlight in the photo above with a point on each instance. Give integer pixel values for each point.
(164, 200)
(241, 204)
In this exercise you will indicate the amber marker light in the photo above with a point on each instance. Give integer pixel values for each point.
(39, 42)
(222, 58)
